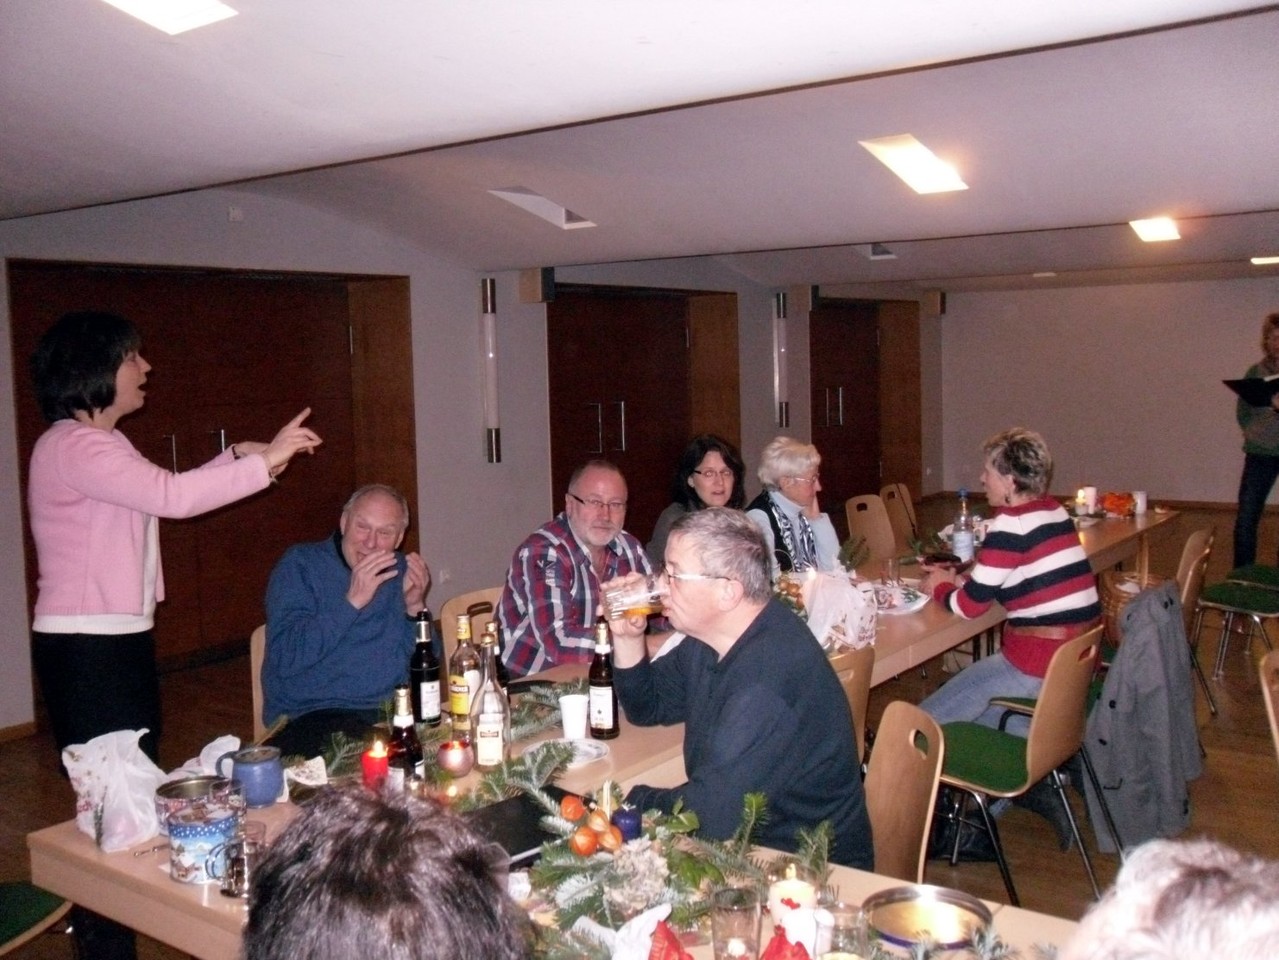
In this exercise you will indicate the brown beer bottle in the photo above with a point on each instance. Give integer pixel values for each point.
(404, 754)
(603, 698)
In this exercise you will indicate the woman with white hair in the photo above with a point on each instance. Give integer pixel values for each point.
(798, 534)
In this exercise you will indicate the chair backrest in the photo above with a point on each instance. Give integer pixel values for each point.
(1057, 726)
(1270, 692)
(853, 667)
(1192, 569)
(257, 653)
(481, 605)
(901, 514)
(868, 518)
(901, 789)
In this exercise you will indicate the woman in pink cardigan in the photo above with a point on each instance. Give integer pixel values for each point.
(93, 503)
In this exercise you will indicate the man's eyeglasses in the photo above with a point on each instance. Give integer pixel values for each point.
(686, 577)
(715, 474)
(612, 506)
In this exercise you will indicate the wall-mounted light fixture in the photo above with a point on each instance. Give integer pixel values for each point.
(781, 386)
(488, 368)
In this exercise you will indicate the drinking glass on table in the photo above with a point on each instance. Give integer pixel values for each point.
(735, 922)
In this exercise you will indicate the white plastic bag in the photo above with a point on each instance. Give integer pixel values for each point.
(841, 612)
(115, 783)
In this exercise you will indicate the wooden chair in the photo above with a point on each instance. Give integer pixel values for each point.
(26, 911)
(1191, 571)
(901, 514)
(901, 789)
(257, 653)
(985, 762)
(868, 518)
(1269, 668)
(853, 667)
(477, 603)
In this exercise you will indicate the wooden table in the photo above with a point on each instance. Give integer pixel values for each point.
(1109, 542)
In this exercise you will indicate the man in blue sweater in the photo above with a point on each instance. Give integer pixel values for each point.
(339, 624)
(762, 708)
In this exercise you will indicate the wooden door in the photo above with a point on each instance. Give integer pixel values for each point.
(234, 356)
(844, 363)
(619, 388)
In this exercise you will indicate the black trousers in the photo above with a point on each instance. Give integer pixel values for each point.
(93, 684)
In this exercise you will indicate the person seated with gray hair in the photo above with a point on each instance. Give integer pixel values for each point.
(762, 709)
(798, 535)
(1184, 900)
(356, 874)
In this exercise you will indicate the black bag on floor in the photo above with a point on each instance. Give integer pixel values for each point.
(975, 845)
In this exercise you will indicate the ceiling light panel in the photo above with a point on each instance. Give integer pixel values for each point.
(923, 170)
(1156, 229)
(1263, 261)
(175, 16)
(540, 206)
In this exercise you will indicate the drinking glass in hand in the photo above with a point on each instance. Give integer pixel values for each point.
(641, 597)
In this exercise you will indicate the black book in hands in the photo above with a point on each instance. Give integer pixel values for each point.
(1255, 391)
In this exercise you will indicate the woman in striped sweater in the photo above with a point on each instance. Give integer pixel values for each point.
(1031, 562)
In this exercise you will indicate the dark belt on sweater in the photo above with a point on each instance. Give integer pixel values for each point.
(1066, 631)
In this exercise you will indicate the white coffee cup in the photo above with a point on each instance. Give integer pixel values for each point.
(573, 708)
(1138, 502)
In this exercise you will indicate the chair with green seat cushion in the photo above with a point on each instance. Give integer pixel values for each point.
(26, 911)
(984, 762)
(1231, 599)
(1256, 574)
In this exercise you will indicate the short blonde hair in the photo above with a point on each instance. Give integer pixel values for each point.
(786, 457)
(1021, 454)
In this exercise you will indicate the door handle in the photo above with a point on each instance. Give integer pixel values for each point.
(839, 406)
(220, 433)
(173, 448)
(621, 418)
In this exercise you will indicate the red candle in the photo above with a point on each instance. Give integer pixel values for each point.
(374, 762)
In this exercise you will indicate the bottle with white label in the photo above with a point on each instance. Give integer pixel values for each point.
(424, 673)
(602, 709)
(961, 532)
(490, 710)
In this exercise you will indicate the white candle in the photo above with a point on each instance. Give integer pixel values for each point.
(790, 894)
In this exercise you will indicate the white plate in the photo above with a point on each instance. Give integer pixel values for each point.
(903, 600)
(1082, 522)
(584, 751)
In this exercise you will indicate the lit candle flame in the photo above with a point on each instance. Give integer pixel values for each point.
(378, 750)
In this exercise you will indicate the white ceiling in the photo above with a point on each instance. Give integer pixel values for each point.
(1059, 146)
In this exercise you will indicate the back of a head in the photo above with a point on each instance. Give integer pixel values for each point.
(356, 874)
(1184, 900)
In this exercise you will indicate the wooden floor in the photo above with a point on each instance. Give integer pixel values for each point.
(1235, 799)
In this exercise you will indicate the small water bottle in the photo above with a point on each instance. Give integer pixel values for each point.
(961, 535)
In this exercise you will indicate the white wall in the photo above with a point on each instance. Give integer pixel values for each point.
(1124, 382)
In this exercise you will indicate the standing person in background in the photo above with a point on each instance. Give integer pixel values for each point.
(1260, 426)
(94, 503)
(710, 474)
(339, 624)
(798, 534)
(548, 606)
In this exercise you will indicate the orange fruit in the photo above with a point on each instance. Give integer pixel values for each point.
(572, 808)
(598, 821)
(584, 841)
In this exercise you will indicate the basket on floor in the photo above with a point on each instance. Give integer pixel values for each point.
(1116, 588)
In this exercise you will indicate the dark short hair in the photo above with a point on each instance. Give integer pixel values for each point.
(356, 874)
(691, 458)
(75, 363)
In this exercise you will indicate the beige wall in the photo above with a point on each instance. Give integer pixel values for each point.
(1123, 381)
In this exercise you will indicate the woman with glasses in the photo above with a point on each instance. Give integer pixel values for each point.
(798, 534)
(710, 474)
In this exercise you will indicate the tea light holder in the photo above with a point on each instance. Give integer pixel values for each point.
(375, 764)
(793, 889)
(456, 758)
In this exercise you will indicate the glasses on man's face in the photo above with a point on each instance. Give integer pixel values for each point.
(669, 574)
(596, 504)
(813, 479)
(715, 474)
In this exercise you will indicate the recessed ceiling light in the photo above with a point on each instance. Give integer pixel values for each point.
(923, 170)
(1044, 274)
(175, 16)
(540, 206)
(1156, 229)
(1262, 261)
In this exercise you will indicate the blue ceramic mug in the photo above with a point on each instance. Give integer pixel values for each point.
(259, 770)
